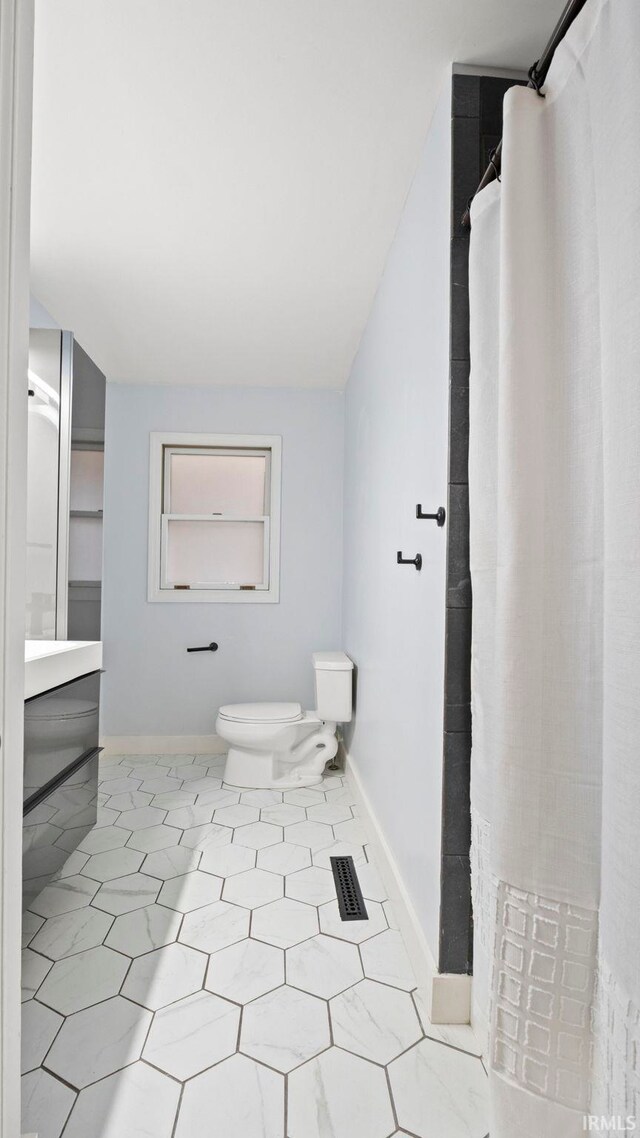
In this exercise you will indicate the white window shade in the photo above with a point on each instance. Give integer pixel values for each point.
(217, 483)
(215, 554)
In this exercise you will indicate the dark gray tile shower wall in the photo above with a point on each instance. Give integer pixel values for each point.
(476, 126)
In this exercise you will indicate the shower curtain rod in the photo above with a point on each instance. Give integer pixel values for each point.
(537, 76)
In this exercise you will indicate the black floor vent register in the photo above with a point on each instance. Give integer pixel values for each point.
(350, 900)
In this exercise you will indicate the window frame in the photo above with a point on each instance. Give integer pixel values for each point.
(162, 444)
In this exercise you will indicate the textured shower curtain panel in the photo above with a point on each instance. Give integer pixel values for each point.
(554, 482)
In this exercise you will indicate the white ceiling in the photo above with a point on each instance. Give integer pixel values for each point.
(216, 183)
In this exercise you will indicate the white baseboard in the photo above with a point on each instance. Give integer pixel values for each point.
(480, 1025)
(163, 745)
(447, 997)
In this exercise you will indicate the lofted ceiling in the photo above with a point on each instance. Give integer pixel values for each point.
(216, 183)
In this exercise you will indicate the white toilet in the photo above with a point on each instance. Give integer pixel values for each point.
(280, 746)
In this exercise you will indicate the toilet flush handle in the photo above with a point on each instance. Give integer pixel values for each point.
(213, 647)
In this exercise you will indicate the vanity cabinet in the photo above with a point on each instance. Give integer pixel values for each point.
(60, 777)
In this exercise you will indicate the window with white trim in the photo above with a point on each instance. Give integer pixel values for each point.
(214, 517)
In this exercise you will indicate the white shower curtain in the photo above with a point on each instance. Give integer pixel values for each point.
(554, 481)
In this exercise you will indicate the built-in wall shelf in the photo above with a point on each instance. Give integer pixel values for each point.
(86, 438)
(85, 584)
(86, 517)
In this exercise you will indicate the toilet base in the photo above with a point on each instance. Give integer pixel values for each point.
(264, 771)
(286, 760)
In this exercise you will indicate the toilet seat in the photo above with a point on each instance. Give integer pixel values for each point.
(261, 712)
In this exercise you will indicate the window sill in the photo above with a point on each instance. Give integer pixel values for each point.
(214, 596)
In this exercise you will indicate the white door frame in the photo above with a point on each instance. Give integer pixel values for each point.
(16, 89)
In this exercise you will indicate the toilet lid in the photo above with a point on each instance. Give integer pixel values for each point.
(262, 712)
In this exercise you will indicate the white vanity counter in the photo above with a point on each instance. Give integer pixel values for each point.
(48, 663)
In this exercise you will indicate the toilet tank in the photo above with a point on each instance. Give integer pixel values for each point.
(334, 686)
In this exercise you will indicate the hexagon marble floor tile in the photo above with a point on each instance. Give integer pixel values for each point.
(188, 976)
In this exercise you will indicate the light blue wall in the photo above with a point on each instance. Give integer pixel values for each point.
(396, 456)
(151, 685)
